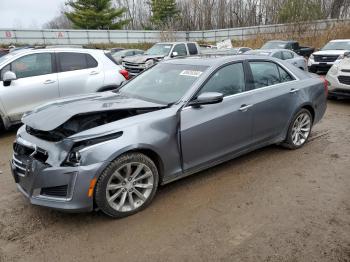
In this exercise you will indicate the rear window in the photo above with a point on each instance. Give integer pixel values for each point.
(110, 57)
(75, 61)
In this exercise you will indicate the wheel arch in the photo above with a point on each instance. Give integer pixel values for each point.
(147, 151)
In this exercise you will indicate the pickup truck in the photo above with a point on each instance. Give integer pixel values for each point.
(136, 64)
(291, 45)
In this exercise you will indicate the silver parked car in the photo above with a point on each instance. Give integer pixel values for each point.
(31, 77)
(284, 54)
(112, 150)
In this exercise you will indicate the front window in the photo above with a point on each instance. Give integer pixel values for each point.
(159, 49)
(32, 65)
(164, 83)
(340, 45)
(274, 45)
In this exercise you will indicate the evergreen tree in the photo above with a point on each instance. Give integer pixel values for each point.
(164, 12)
(95, 14)
(299, 11)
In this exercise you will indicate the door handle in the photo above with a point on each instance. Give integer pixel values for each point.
(49, 82)
(244, 107)
(293, 90)
(94, 73)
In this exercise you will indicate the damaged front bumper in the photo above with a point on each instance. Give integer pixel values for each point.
(59, 187)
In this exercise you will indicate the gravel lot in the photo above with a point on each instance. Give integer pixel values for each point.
(270, 205)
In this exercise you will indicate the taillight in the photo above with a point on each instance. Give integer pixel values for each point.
(124, 73)
(325, 86)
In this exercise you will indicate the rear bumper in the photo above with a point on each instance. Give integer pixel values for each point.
(39, 184)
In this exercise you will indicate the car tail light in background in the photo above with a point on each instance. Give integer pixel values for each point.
(325, 85)
(125, 74)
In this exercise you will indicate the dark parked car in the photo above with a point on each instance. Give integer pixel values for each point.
(291, 45)
(112, 150)
(3, 52)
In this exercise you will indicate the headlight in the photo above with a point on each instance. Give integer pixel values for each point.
(312, 57)
(75, 155)
(340, 57)
(334, 70)
(149, 63)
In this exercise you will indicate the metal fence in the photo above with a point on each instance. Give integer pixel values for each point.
(84, 37)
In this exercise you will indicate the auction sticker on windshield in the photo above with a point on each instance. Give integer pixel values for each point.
(191, 73)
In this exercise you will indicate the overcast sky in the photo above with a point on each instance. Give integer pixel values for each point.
(28, 13)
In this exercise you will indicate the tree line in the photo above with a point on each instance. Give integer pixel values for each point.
(192, 14)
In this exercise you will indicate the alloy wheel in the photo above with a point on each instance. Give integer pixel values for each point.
(301, 129)
(129, 187)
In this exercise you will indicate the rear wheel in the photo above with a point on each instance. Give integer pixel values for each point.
(127, 185)
(299, 130)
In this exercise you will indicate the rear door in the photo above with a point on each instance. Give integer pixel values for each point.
(212, 131)
(36, 84)
(275, 95)
(78, 73)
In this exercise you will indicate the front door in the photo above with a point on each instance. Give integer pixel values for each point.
(36, 84)
(212, 131)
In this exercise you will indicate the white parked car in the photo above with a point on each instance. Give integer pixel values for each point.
(330, 54)
(31, 77)
(283, 54)
(338, 78)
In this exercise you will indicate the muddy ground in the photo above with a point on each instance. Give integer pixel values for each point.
(270, 205)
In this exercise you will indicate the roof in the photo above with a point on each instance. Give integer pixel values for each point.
(211, 60)
(340, 40)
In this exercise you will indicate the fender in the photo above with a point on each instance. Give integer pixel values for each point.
(108, 88)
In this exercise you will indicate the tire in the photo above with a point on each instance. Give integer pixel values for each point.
(119, 191)
(2, 126)
(299, 130)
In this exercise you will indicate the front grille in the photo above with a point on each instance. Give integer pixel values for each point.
(133, 67)
(22, 151)
(57, 191)
(346, 70)
(344, 80)
(325, 58)
(20, 165)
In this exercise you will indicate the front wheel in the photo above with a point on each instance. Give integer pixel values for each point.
(299, 130)
(127, 185)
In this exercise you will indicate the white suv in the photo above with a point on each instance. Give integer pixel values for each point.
(338, 78)
(329, 55)
(31, 77)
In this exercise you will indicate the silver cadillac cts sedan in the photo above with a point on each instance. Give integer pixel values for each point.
(110, 151)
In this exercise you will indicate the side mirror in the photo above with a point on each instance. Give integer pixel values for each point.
(207, 98)
(8, 77)
(174, 54)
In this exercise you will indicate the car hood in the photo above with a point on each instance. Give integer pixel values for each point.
(330, 52)
(52, 115)
(142, 58)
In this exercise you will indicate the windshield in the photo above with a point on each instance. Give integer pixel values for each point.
(159, 49)
(339, 45)
(164, 83)
(274, 45)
